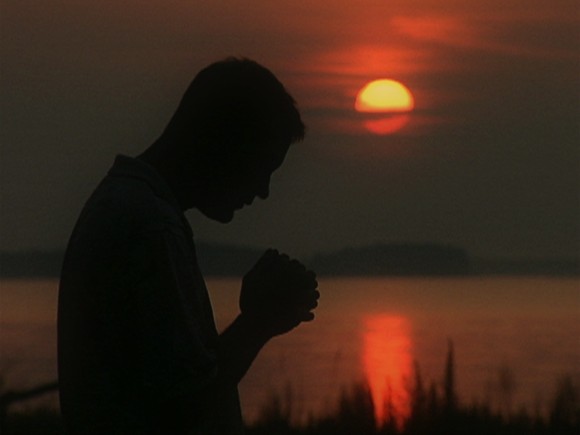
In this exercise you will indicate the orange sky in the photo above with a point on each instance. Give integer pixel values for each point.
(489, 149)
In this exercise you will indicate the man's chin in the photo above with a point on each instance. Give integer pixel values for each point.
(221, 216)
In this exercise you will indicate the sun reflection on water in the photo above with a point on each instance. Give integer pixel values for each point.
(388, 363)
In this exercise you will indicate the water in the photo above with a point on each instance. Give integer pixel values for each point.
(367, 329)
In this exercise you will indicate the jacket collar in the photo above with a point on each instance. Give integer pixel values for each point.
(125, 166)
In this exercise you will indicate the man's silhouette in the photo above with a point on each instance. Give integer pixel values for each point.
(137, 344)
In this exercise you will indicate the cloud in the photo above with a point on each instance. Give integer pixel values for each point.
(495, 84)
(521, 36)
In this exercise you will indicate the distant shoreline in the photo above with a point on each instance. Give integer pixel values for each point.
(220, 260)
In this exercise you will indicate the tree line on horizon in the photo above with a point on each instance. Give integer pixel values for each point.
(388, 259)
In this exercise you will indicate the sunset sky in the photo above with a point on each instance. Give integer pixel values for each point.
(488, 159)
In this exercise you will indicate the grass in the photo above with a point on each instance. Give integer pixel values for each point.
(434, 410)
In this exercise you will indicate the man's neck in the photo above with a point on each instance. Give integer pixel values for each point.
(178, 173)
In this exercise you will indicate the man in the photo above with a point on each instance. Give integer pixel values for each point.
(137, 344)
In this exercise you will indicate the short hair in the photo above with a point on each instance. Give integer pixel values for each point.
(237, 103)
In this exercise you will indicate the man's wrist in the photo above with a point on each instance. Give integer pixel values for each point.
(255, 328)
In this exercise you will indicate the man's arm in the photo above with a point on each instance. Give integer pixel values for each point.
(277, 295)
(238, 346)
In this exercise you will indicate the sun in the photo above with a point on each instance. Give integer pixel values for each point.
(385, 105)
(384, 96)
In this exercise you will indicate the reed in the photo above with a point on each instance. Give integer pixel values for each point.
(435, 409)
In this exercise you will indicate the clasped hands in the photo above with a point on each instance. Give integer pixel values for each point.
(278, 293)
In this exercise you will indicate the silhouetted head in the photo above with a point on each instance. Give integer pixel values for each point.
(237, 105)
(235, 122)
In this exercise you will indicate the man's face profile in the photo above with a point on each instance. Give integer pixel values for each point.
(238, 179)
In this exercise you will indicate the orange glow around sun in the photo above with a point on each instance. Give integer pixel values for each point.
(387, 364)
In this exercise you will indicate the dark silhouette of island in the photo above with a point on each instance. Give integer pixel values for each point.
(394, 259)
(31, 264)
(220, 259)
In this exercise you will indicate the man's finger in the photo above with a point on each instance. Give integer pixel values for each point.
(313, 304)
(296, 267)
(267, 258)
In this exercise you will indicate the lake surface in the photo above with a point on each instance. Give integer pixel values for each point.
(367, 329)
